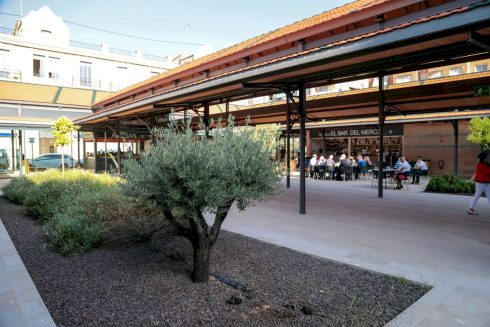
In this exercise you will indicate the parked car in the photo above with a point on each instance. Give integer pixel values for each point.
(4, 159)
(51, 160)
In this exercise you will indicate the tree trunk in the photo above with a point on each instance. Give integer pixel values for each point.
(202, 252)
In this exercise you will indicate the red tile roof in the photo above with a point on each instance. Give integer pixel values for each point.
(361, 5)
(261, 39)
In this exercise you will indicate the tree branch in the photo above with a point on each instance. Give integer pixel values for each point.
(179, 228)
(218, 220)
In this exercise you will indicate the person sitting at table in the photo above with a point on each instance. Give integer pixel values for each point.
(418, 168)
(312, 164)
(344, 165)
(321, 161)
(400, 174)
(361, 166)
(329, 166)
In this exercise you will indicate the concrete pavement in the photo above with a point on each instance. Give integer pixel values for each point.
(421, 236)
(424, 237)
(20, 302)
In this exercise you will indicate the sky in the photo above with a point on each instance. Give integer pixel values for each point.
(220, 23)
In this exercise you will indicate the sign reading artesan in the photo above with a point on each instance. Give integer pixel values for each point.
(362, 131)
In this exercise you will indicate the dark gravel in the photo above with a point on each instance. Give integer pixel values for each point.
(138, 286)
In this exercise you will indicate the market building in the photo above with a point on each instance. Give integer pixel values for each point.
(364, 40)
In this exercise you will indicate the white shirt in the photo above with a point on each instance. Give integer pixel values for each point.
(420, 164)
(405, 166)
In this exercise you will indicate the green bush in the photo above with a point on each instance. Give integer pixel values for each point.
(450, 184)
(72, 232)
(16, 190)
(83, 210)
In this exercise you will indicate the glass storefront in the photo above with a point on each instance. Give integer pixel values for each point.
(356, 140)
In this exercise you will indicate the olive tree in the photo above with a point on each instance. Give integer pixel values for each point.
(479, 129)
(62, 129)
(189, 176)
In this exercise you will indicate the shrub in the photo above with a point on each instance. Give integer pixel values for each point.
(450, 184)
(16, 190)
(83, 210)
(72, 232)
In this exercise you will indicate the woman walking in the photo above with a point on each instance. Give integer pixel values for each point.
(482, 181)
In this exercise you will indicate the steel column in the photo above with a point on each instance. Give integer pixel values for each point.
(227, 110)
(12, 138)
(302, 137)
(381, 125)
(20, 152)
(105, 152)
(455, 124)
(118, 131)
(78, 148)
(95, 152)
(206, 118)
(288, 141)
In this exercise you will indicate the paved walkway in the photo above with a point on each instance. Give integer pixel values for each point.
(421, 236)
(20, 302)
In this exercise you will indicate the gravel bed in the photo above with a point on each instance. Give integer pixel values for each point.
(140, 286)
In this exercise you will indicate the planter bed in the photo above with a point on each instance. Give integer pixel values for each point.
(140, 286)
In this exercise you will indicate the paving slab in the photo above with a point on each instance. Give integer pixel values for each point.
(425, 237)
(20, 302)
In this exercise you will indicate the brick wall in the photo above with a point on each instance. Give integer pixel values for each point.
(435, 141)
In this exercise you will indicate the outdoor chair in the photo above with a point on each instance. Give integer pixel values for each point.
(348, 173)
(407, 181)
(321, 172)
(329, 171)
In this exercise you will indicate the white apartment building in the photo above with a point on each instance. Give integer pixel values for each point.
(45, 75)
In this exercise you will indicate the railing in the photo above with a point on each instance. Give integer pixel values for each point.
(90, 46)
(122, 52)
(116, 86)
(12, 74)
(6, 30)
(154, 57)
(85, 82)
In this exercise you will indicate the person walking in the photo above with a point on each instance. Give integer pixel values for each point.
(481, 177)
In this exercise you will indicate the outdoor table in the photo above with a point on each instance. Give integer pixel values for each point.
(388, 175)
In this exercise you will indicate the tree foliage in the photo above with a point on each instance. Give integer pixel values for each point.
(189, 175)
(479, 128)
(62, 129)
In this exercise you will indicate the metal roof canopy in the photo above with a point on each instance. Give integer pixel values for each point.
(445, 38)
(455, 38)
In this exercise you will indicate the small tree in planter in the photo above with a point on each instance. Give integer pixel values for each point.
(62, 129)
(188, 176)
(480, 132)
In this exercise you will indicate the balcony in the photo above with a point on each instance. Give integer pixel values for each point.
(10, 74)
(86, 82)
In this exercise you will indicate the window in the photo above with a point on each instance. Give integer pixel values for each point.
(38, 66)
(456, 71)
(404, 78)
(436, 74)
(481, 68)
(85, 73)
(53, 67)
(4, 73)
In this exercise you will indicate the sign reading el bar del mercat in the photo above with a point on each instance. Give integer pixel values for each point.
(362, 131)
